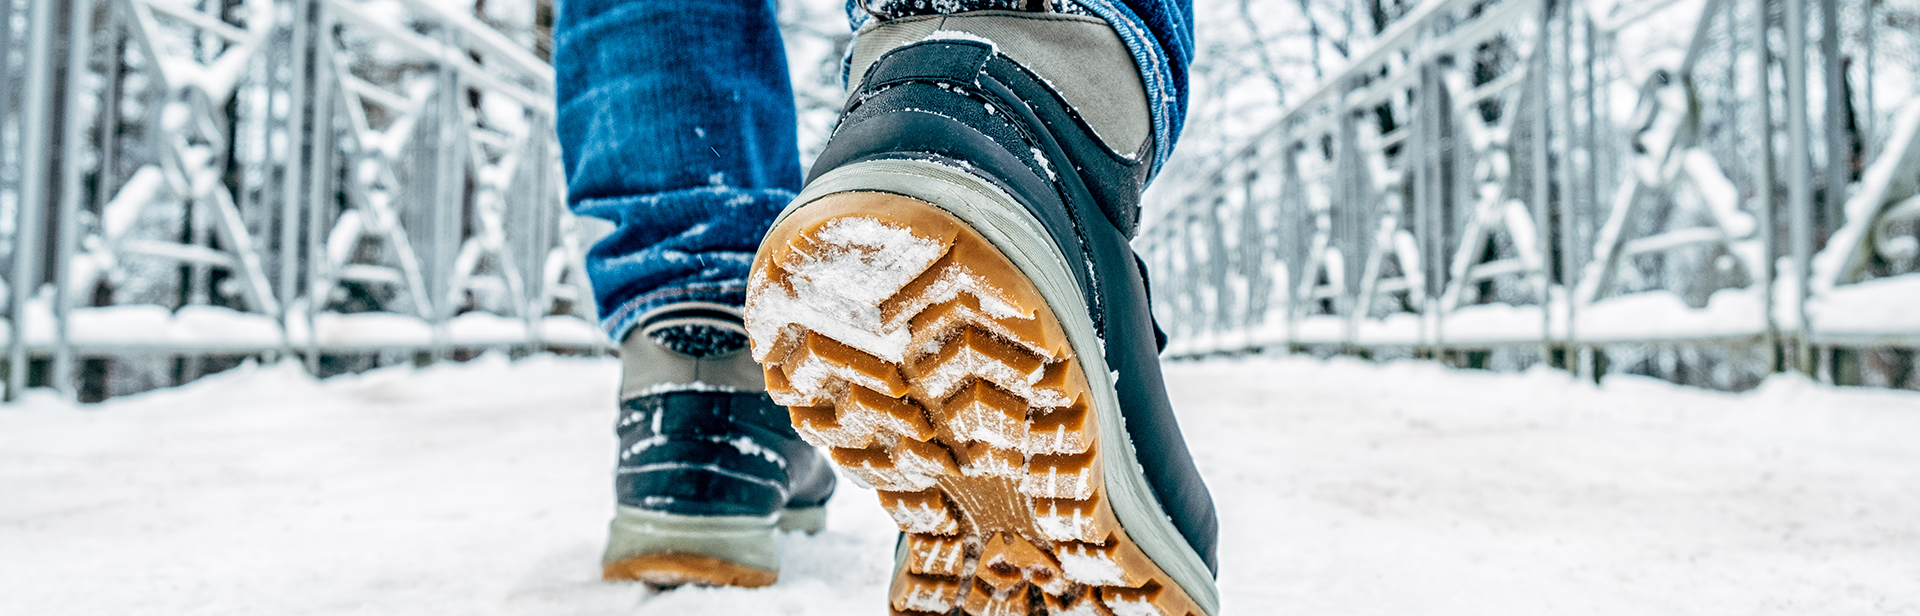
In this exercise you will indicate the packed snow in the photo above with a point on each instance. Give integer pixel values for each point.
(1344, 488)
(837, 290)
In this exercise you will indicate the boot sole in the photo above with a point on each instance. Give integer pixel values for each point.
(934, 370)
(672, 569)
(665, 550)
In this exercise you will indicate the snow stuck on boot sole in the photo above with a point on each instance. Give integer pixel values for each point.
(932, 369)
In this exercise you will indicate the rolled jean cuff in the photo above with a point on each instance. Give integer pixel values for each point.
(1164, 90)
(678, 246)
(623, 320)
(1163, 81)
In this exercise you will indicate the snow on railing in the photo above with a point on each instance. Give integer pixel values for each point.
(313, 178)
(1563, 176)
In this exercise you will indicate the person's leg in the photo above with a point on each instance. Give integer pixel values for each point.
(676, 124)
(952, 306)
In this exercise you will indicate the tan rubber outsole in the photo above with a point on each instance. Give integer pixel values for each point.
(931, 368)
(678, 569)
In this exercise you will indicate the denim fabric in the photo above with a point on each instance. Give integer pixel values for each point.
(1160, 34)
(676, 123)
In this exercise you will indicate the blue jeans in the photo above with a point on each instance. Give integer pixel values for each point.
(676, 123)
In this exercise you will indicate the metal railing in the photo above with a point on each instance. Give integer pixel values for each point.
(313, 178)
(1474, 182)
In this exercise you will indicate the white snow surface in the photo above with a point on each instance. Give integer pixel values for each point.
(1344, 488)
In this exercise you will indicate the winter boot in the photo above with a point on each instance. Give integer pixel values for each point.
(709, 466)
(951, 307)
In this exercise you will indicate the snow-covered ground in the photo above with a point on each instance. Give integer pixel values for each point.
(1345, 489)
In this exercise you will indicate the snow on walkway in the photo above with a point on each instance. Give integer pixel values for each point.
(1345, 489)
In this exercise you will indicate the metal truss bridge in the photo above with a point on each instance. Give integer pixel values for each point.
(1561, 177)
(315, 178)
(271, 177)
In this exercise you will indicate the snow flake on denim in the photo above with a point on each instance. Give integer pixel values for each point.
(894, 9)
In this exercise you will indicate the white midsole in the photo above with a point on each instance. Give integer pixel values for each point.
(1025, 242)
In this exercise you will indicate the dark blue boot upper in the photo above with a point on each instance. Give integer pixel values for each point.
(715, 453)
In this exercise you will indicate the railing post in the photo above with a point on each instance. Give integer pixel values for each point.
(7, 155)
(1568, 229)
(320, 166)
(1871, 128)
(448, 202)
(1253, 255)
(1352, 191)
(1542, 170)
(1219, 262)
(1799, 192)
(1289, 229)
(65, 234)
(298, 133)
(1594, 193)
(547, 219)
(1418, 171)
(1839, 156)
(6, 66)
(34, 123)
(1190, 273)
(1833, 202)
(9, 158)
(1763, 179)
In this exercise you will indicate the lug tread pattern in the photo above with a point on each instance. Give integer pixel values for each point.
(980, 437)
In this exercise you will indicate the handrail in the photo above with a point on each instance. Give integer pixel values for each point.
(314, 203)
(1441, 231)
